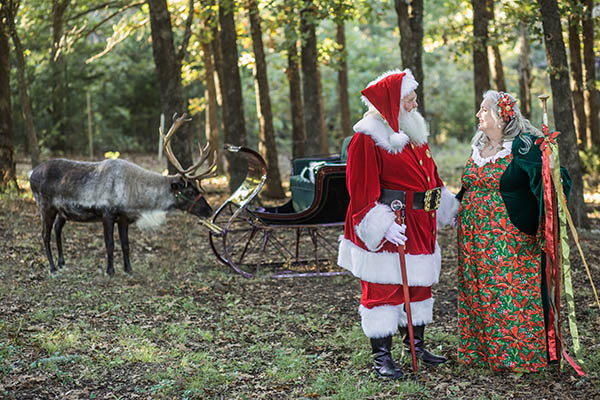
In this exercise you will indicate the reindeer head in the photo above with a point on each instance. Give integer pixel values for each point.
(186, 185)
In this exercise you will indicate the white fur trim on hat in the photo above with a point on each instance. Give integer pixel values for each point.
(448, 208)
(374, 125)
(384, 266)
(409, 84)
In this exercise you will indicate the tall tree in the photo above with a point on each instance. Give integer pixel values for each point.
(168, 67)
(266, 144)
(233, 105)
(343, 100)
(410, 23)
(481, 65)
(589, 76)
(574, 22)
(562, 107)
(497, 69)
(293, 76)
(342, 10)
(7, 154)
(525, 76)
(58, 65)
(207, 23)
(10, 9)
(314, 119)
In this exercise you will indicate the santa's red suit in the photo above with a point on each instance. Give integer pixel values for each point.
(387, 154)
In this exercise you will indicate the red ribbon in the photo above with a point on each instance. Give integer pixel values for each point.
(553, 253)
(549, 235)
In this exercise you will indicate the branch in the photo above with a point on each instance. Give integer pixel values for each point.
(109, 4)
(83, 34)
(186, 36)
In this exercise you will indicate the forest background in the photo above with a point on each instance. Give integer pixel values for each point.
(89, 79)
(85, 78)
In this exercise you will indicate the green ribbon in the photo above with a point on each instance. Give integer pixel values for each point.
(565, 251)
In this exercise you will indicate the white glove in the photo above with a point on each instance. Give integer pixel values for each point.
(395, 234)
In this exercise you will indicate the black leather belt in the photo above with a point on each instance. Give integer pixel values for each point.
(428, 200)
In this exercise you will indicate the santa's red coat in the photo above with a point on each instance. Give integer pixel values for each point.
(380, 158)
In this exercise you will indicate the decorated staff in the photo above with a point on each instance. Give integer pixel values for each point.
(557, 249)
(398, 208)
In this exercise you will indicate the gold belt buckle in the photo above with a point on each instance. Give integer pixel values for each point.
(432, 199)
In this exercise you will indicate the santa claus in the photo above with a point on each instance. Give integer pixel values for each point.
(388, 159)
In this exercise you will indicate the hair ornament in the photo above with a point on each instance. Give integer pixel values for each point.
(506, 107)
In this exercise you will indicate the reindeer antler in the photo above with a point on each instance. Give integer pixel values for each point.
(190, 173)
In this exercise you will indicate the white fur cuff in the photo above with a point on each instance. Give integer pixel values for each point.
(371, 229)
(448, 208)
(421, 313)
(382, 321)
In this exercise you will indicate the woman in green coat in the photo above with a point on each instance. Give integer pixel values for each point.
(501, 291)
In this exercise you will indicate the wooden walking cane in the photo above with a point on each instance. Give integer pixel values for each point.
(398, 208)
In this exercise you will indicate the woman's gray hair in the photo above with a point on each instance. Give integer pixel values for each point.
(518, 125)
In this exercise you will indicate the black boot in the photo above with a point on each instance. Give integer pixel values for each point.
(384, 365)
(421, 353)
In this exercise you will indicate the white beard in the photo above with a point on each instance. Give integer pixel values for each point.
(413, 125)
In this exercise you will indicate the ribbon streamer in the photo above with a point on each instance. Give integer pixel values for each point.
(557, 248)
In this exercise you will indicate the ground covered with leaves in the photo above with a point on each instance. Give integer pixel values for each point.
(184, 326)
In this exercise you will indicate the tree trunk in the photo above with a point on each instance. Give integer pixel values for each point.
(211, 125)
(59, 139)
(313, 120)
(410, 23)
(481, 65)
(266, 145)
(562, 107)
(345, 124)
(32, 141)
(525, 77)
(324, 135)
(589, 77)
(8, 176)
(169, 75)
(497, 69)
(212, 119)
(233, 105)
(218, 60)
(577, 78)
(293, 75)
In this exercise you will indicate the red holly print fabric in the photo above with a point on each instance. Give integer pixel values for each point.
(500, 315)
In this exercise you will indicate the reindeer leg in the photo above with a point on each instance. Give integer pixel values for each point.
(109, 225)
(124, 238)
(48, 216)
(59, 222)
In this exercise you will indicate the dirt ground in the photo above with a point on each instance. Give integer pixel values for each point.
(178, 263)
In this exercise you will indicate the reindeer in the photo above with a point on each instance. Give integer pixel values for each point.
(115, 191)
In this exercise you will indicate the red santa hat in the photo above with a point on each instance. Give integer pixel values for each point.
(386, 92)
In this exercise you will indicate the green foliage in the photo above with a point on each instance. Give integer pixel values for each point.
(590, 161)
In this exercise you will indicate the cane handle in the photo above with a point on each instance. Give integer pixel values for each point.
(544, 98)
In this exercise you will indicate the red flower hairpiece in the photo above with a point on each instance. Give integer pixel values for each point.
(505, 107)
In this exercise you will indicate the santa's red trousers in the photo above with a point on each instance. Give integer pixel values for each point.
(381, 294)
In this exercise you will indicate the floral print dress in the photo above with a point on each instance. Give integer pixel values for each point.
(501, 319)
